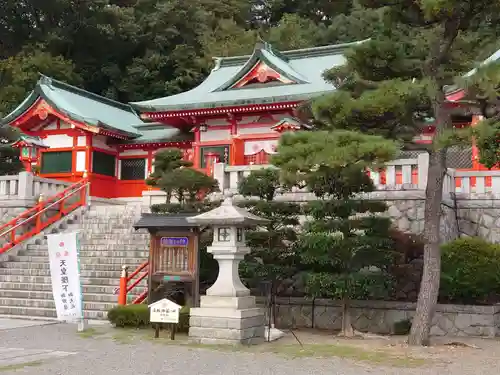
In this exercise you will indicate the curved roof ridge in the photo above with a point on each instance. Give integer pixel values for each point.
(290, 54)
(49, 81)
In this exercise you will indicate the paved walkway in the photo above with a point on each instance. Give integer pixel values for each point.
(8, 323)
(62, 350)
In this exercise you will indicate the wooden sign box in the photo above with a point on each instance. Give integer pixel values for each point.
(173, 257)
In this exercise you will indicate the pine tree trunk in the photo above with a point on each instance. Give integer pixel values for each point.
(429, 286)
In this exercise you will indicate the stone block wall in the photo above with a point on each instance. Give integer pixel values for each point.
(479, 217)
(379, 316)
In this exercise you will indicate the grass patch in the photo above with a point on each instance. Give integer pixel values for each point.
(376, 356)
(90, 333)
(348, 352)
(127, 336)
(20, 366)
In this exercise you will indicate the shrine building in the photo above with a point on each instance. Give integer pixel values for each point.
(236, 116)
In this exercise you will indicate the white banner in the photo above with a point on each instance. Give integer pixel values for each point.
(65, 275)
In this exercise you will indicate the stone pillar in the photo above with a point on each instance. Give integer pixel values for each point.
(219, 175)
(25, 187)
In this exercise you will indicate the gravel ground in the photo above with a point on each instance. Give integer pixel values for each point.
(108, 356)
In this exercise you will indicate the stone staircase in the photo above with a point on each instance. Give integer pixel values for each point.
(107, 241)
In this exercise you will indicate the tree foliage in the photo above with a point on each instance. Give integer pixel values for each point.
(394, 82)
(144, 49)
(174, 176)
(9, 156)
(19, 74)
(343, 239)
(272, 259)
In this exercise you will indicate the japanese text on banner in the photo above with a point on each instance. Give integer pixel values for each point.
(63, 257)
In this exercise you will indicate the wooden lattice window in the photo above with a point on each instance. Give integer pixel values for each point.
(103, 163)
(56, 162)
(133, 169)
(259, 158)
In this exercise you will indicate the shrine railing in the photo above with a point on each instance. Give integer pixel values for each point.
(27, 188)
(45, 213)
(127, 279)
(400, 174)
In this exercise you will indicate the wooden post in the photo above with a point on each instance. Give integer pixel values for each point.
(157, 330)
(173, 327)
(122, 294)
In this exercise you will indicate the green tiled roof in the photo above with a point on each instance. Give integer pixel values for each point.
(95, 110)
(159, 132)
(305, 67)
(80, 105)
(37, 141)
(450, 89)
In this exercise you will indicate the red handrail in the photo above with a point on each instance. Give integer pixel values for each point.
(124, 288)
(9, 232)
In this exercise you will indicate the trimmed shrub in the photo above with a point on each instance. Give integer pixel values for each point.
(137, 316)
(470, 271)
(129, 316)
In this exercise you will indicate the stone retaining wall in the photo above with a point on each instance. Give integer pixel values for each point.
(379, 316)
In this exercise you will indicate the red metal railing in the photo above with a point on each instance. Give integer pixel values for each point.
(34, 220)
(125, 279)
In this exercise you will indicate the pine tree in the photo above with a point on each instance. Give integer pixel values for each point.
(272, 259)
(176, 178)
(344, 246)
(393, 82)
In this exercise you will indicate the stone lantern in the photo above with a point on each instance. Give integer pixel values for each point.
(227, 313)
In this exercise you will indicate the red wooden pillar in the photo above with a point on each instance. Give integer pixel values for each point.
(196, 148)
(122, 293)
(475, 152)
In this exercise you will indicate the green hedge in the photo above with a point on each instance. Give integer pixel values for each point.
(137, 316)
(470, 271)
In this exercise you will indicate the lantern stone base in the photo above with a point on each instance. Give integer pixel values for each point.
(227, 320)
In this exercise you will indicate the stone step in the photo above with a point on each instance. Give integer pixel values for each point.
(47, 295)
(50, 304)
(88, 260)
(87, 289)
(105, 229)
(46, 312)
(109, 246)
(47, 280)
(114, 274)
(89, 254)
(83, 265)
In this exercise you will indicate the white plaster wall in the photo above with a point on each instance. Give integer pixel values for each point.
(256, 130)
(215, 135)
(134, 153)
(218, 121)
(58, 141)
(82, 141)
(99, 141)
(80, 161)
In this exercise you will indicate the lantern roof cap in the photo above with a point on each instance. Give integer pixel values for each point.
(227, 214)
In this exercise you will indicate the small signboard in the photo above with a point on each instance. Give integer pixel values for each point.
(174, 241)
(164, 311)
